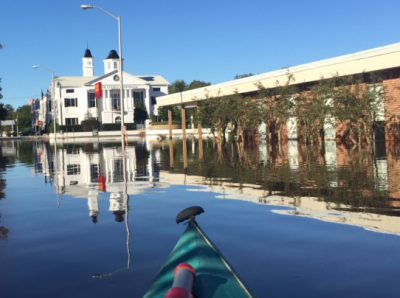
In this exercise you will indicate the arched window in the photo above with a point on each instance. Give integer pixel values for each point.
(118, 119)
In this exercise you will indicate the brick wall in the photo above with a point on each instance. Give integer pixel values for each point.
(391, 88)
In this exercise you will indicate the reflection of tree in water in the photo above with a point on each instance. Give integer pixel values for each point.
(142, 157)
(3, 164)
(349, 182)
(25, 153)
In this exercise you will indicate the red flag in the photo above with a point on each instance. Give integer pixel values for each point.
(102, 183)
(98, 90)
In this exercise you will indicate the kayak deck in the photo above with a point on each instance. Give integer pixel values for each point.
(214, 276)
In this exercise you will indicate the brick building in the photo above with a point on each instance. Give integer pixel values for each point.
(382, 63)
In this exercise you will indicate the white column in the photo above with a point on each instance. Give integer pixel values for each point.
(292, 127)
(329, 123)
(293, 154)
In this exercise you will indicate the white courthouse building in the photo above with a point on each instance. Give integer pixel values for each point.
(74, 97)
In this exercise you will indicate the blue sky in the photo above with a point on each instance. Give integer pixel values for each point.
(209, 40)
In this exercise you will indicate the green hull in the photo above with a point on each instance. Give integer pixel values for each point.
(214, 276)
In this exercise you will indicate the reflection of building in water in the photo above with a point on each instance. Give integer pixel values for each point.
(8, 148)
(83, 171)
(293, 154)
(393, 174)
(93, 204)
(301, 206)
(118, 205)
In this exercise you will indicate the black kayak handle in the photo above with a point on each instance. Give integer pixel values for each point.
(188, 213)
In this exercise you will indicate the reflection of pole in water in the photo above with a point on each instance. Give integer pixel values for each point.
(126, 203)
(119, 204)
(56, 170)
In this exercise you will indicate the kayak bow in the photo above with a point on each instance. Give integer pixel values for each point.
(214, 277)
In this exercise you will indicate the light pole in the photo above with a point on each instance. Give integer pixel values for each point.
(121, 91)
(36, 66)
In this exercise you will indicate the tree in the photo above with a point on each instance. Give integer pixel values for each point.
(140, 113)
(241, 76)
(356, 105)
(177, 86)
(278, 105)
(181, 85)
(7, 112)
(197, 84)
(24, 114)
(314, 109)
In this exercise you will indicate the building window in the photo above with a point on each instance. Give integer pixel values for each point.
(115, 100)
(118, 119)
(156, 89)
(73, 169)
(118, 171)
(70, 102)
(153, 100)
(137, 97)
(70, 91)
(115, 64)
(91, 99)
(71, 121)
(94, 173)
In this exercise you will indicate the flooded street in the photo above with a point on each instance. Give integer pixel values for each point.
(89, 220)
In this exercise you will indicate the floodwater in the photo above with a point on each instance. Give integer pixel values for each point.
(89, 220)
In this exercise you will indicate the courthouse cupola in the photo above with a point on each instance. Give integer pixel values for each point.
(111, 63)
(87, 64)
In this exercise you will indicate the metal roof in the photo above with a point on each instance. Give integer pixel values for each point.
(365, 61)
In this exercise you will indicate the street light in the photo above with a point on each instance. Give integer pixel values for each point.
(36, 66)
(121, 92)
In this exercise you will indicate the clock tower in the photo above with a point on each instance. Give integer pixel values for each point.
(87, 64)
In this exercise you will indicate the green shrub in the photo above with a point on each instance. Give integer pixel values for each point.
(70, 128)
(117, 126)
(90, 125)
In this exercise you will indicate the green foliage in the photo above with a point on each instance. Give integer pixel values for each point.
(197, 84)
(90, 124)
(181, 85)
(163, 114)
(140, 113)
(241, 76)
(241, 114)
(3, 112)
(313, 109)
(346, 100)
(117, 126)
(69, 128)
(177, 86)
(24, 114)
(277, 106)
(356, 105)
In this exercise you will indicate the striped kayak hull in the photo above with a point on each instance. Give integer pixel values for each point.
(214, 276)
